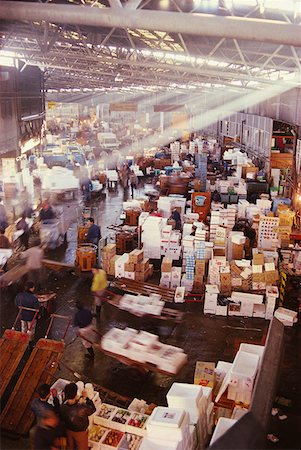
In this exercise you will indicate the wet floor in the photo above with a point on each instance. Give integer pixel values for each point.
(203, 338)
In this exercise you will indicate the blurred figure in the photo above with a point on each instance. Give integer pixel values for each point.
(99, 285)
(34, 265)
(75, 415)
(4, 242)
(3, 215)
(86, 188)
(23, 225)
(47, 432)
(28, 210)
(27, 299)
(175, 215)
(94, 232)
(83, 320)
(133, 182)
(46, 212)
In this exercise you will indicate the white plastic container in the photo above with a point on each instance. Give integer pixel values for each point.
(223, 425)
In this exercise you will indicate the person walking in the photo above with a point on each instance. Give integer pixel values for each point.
(75, 415)
(4, 242)
(3, 215)
(133, 182)
(175, 215)
(94, 232)
(83, 320)
(34, 256)
(48, 432)
(23, 225)
(46, 212)
(27, 299)
(99, 285)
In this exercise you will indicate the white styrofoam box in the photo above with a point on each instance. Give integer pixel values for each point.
(245, 364)
(176, 273)
(165, 283)
(238, 412)
(184, 395)
(136, 418)
(210, 418)
(171, 359)
(246, 309)
(255, 349)
(221, 310)
(212, 289)
(223, 425)
(129, 275)
(246, 297)
(170, 424)
(272, 291)
(286, 316)
(143, 340)
(105, 415)
(148, 443)
(259, 311)
(166, 276)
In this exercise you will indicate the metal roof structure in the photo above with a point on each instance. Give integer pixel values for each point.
(156, 46)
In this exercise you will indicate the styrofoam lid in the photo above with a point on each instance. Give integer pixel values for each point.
(167, 417)
(185, 390)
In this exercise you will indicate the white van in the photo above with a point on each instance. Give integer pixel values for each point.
(108, 141)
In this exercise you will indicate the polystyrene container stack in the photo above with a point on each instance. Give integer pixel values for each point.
(242, 377)
(167, 428)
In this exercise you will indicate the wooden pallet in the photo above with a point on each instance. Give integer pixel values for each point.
(13, 275)
(57, 266)
(40, 368)
(140, 287)
(12, 348)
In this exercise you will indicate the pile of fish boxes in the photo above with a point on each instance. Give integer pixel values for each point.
(137, 267)
(170, 243)
(109, 258)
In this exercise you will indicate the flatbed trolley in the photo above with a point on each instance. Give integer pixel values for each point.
(43, 362)
(13, 345)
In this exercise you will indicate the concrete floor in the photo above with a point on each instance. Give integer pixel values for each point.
(203, 338)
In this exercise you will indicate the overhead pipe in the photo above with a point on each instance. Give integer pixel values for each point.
(196, 24)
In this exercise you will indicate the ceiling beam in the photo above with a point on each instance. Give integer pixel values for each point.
(259, 30)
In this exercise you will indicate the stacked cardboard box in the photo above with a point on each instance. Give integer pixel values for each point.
(108, 258)
(166, 272)
(139, 265)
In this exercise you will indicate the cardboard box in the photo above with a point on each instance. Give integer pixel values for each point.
(166, 265)
(166, 276)
(204, 373)
(129, 267)
(258, 259)
(136, 256)
(109, 248)
(142, 266)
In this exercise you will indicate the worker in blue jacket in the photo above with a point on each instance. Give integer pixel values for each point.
(27, 299)
(94, 233)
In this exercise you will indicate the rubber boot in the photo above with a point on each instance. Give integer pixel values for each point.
(90, 353)
(98, 311)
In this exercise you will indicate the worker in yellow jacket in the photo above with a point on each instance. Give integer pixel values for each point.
(99, 285)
